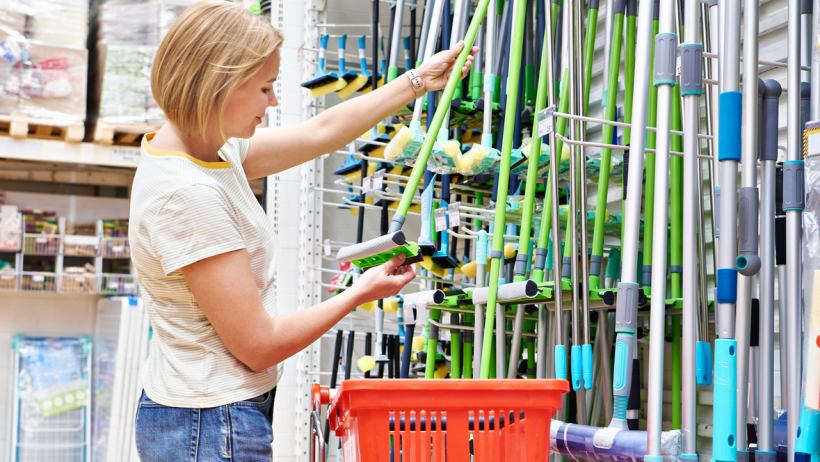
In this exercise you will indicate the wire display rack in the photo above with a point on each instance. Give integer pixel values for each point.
(51, 391)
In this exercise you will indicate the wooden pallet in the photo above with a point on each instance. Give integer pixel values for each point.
(22, 127)
(120, 135)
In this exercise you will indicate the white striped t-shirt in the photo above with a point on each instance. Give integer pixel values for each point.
(184, 210)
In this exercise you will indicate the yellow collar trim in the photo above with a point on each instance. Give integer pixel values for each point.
(146, 145)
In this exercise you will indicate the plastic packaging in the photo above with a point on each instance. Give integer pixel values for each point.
(130, 33)
(43, 60)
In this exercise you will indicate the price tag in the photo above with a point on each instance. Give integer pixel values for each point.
(454, 214)
(123, 154)
(117, 248)
(441, 219)
(378, 180)
(41, 240)
(545, 121)
(38, 278)
(327, 247)
(367, 184)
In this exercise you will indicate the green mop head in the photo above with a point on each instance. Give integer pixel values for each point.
(380, 250)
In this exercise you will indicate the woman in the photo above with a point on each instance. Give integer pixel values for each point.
(203, 247)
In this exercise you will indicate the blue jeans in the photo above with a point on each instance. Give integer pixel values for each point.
(240, 431)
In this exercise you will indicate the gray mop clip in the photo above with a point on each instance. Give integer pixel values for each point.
(666, 51)
(626, 309)
(748, 261)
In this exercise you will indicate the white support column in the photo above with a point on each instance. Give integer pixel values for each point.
(297, 235)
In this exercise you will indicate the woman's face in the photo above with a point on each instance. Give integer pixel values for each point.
(245, 109)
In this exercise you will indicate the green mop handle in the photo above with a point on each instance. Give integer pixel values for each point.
(441, 111)
(497, 252)
(532, 173)
(610, 112)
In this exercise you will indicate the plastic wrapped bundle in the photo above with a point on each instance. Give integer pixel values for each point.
(43, 60)
(445, 157)
(478, 160)
(130, 33)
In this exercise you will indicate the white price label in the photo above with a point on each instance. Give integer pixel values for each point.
(41, 240)
(367, 184)
(454, 214)
(123, 154)
(117, 248)
(38, 278)
(441, 219)
(545, 121)
(327, 247)
(378, 180)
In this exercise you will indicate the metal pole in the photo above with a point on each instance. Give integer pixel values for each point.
(748, 261)
(628, 288)
(666, 45)
(571, 238)
(814, 78)
(768, 182)
(691, 82)
(725, 376)
(792, 173)
(559, 355)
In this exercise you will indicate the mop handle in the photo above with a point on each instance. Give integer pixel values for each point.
(342, 60)
(435, 125)
(429, 49)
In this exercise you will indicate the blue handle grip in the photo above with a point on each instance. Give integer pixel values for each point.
(808, 432)
(703, 363)
(726, 285)
(575, 366)
(729, 126)
(324, 40)
(362, 42)
(587, 365)
(481, 247)
(620, 378)
(343, 41)
(561, 362)
(724, 444)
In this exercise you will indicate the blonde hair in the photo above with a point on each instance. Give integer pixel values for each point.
(213, 48)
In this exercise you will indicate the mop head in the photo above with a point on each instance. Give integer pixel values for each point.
(469, 269)
(368, 306)
(394, 149)
(479, 159)
(378, 251)
(509, 251)
(324, 85)
(354, 84)
(431, 266)
(366, 363)
(445, 156)
(390, 305)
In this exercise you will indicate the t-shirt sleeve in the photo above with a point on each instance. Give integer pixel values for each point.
(238, 147)
(195, 223)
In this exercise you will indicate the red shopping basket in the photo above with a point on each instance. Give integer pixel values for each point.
(441, 420)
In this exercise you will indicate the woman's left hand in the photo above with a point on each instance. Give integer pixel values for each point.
(436, 70)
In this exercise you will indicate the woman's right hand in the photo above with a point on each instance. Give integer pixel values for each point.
(383, 281)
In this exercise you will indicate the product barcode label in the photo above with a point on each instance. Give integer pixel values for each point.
(441, 219)
(545, 121)
(454, 214)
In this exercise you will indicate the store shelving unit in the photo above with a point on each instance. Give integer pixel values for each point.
(98, 264)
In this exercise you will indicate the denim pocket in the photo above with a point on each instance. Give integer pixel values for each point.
(165, 433)
(262, 401)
